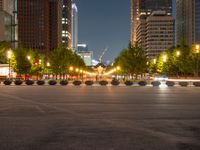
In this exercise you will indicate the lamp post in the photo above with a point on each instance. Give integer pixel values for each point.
(197, 63)
(165, 58)
(154, 61)
(71, 70)
(178, 53)
(29, 58)
(48, 65)
(77, 72)
(9, 57)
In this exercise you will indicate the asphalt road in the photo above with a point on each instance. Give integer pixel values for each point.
(99, 118)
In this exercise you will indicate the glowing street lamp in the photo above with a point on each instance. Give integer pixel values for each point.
(178, 53)
(197, 49)
(71, 68)
(154, 61)
(9, 57)
(118, 68)
(165, 58)
(77, 70)
(28, 57)
(48, 64)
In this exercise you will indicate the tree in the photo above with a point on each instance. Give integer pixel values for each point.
(19, 61)
(132, 60)
(4, 46)
(184, 62)
(62, 58)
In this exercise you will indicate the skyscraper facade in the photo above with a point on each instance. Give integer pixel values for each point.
(74, 26)
(6, 15)
(67, 23)
(144, 8)
(152, 25)
(197, 21)
(159, 33)
(188, 21)
(39, 24)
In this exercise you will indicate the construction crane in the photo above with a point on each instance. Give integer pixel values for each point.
(101, 57)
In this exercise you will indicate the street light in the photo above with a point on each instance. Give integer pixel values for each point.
(77, 70)
(9, 57)
(154, 61)
(118, 68)
(71, 68)
(197, 63)
(178, 53)
(28, 57)
(165, 58)
(40, 61)
(48, 65)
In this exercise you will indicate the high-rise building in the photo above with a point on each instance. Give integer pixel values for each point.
(6, 16)
(87, 57)
(67, 23)
(156, 33)
(74, 26)
(141, 8)
(188, 21)
(152, 25)
(39, 24)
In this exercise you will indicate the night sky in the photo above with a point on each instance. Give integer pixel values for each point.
(104, 23)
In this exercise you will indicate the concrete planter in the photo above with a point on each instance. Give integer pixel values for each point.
(89, 83)
(115, 82)
(103, 83)
(29, 82)
(170, 83)
(183, 84)
(142, 83)
(40, 82)
(64, 82)
(52, 82)
(7, 82)
(18, 82)
(155, 83)
(77, 83)
(197, 84)
(128, 83)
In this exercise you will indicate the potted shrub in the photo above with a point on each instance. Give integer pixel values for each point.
(7, 82)
(142, 83)
(103, 82)
(155, 83)
(63, 82)
(40, 82)
(115, 82)
(89, 82)
(170, 83)
(18, 82)
(128, 83)
(29, 82)
(183, 83)
(77, 82)
(197, 84)
(52, 82)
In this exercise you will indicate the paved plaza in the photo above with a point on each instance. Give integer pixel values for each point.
(99, 118)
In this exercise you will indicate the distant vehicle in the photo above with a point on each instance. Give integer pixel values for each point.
(161, 78)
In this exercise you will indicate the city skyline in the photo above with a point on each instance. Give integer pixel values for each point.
(104, 24)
